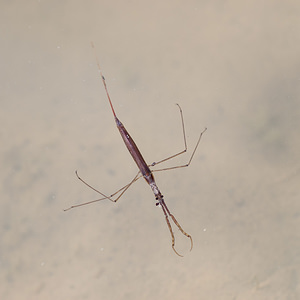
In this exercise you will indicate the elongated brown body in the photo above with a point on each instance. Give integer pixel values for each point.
(135, 152)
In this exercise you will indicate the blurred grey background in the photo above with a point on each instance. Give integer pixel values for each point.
(234, 66)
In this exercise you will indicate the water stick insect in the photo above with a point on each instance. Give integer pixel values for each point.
(144, 169)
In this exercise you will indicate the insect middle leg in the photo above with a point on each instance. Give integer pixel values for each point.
(180, 166)
(181, 152)
(122, 190)
(184, 139)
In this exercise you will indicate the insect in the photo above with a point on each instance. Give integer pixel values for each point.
(144, 169)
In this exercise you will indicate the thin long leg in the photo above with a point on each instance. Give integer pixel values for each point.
(105, 197)
(109, 197)
(166, 213)
(181, 152)
(123, 189)
(185, 165)
(184, 139)
(126, 187)
(171, 231)
(178, 225)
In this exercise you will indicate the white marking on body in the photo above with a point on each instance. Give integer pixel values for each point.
(154, 188)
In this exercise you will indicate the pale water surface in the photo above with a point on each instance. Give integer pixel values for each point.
(234, 66)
